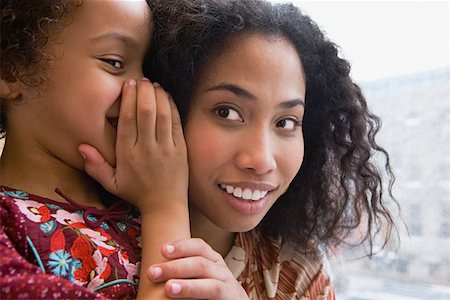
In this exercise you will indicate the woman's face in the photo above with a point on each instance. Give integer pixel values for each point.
(243, 132)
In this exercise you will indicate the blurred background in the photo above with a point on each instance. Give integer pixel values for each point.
(400, 56)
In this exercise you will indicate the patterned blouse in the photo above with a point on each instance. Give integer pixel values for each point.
(54, 250)
(269, 268)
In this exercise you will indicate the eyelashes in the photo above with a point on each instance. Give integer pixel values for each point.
(226, 112)
(289, 123)
(231, 114)
(115, 63)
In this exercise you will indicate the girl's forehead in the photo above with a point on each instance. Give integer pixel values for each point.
(113, 18)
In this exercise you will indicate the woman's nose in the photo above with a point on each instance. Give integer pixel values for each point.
(256, 153)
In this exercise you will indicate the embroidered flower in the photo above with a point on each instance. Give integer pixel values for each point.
(53, 206)
(103, 270)
(48, 227)
(135, 236)
(33, 210)
(81, 248)
(86, 271)
(73, 267)
(60, 262)
(57, 241)
(132, 269)
(92, 218)
(15, 194)
(100, 238)
(66, 218)
(122, 226)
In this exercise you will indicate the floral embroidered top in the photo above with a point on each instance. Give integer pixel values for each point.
(270, 268)
(54, 250)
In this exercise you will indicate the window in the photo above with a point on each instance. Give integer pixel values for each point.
(410, 91)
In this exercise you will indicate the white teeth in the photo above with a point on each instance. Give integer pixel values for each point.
(256, 195)
(237, 192)
(246, 194)
(229, 189)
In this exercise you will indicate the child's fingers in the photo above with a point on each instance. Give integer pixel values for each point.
(97, 167)
(177, 128)
(203, 289)
(146, 111)
(190, 267)
(188, 248)
(164, 117)
(126, 129)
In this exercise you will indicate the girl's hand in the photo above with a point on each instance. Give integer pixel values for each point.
(195, 270)
(151, 169)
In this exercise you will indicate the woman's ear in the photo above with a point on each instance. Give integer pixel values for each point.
(10, 90)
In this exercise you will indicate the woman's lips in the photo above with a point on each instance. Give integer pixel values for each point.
(244, 193)
(246, 206)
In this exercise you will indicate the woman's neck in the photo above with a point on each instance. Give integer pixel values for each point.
(38, 173)
(201, 227)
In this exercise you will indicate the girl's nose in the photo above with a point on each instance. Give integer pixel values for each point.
(256, 153)
(136, 73)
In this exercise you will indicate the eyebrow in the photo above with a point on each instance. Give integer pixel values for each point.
(117, 37)
(243, 93)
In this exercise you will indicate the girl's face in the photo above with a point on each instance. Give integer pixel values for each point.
(243, 131)
(103, 45)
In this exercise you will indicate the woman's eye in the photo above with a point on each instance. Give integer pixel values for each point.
(288, 124)
(228, 113)
(117, 64)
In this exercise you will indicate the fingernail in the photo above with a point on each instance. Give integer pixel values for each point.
(131, 82)
(175, 288)
(144, 79)
(156, 272)
(83, 155)
(156, 84)
(170, 249)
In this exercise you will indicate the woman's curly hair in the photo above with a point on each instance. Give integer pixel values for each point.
(26, 28)
(338, 188)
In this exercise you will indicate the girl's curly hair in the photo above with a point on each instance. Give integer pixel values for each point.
(26, 27)
(338, 188)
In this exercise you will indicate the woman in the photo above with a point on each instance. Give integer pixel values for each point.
(280, 143)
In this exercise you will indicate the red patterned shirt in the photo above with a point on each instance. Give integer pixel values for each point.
(54, 250)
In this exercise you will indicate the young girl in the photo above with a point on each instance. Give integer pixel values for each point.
(65, 69)
(280, 145)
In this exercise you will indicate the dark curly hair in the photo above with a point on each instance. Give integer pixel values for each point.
(25, 30)
(338, 188)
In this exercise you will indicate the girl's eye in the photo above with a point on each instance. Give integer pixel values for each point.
(117, 64)
(288, 124)
(228, 113)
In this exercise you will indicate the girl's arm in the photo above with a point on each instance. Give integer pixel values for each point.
(151, 171)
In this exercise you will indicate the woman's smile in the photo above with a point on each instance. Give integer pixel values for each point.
(243, 132)
(244, 193)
